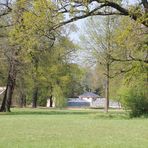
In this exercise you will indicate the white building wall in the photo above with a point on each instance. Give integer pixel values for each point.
(2, 89)
(87, 99)
(48, 103)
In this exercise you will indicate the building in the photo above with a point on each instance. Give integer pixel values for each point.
(77, 102)
(49, 103)
(100, 102)
(89, 96)
(84, 100)
(92, 100)
(2, 89)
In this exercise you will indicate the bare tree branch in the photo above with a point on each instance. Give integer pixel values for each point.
(131, 59)
(120, 10)
(5, 8)
(122, 71)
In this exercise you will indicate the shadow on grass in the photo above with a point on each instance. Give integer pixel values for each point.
(46, 112)
(113, 115)
(91, 113)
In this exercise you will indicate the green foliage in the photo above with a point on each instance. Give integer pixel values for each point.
(132, 50)
(135, 98)
(100, 48)
(74, 87)
(43, 53)
(46, 50)
(59, 98)
(42, 101)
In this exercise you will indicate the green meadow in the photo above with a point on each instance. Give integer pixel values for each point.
(44, 128)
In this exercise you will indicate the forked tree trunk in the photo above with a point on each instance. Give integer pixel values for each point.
(6, 103)
(35, 97)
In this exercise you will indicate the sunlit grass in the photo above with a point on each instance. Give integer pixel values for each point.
(44, 128)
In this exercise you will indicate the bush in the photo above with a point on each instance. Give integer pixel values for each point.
(135, 99)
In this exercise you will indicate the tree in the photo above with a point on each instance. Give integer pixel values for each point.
(31, 30)
(100, 45)
(132, 54)
(83, 9)
(10, 54)
(58, 73)
(22, 39)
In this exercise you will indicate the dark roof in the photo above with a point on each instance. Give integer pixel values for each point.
(89, 95)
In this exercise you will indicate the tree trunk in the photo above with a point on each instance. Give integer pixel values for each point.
(35, 97)
(107, 89)
(22, 100)
(6, 103)
(51, 101)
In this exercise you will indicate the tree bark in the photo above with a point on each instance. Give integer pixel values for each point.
(107, 89)
(35, 97)
(6, 103)
(22, 100)
(51, 101)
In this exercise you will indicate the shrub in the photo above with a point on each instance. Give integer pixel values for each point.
(135, 99)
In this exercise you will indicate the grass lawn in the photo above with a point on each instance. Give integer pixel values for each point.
(44, 128)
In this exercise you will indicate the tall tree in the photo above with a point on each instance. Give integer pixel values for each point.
(25, 37)
(99, 44)
(10, 53)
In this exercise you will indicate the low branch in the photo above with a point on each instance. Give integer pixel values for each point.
(6, 9)
(122, 71)
(129, 60)
(103, 4)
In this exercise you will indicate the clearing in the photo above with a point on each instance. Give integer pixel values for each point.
(46, 128)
